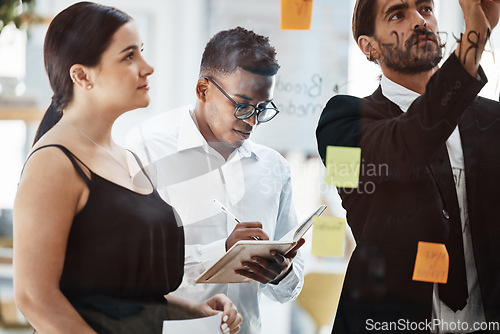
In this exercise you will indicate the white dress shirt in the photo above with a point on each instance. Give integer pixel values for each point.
(473, 311)
(254, 184)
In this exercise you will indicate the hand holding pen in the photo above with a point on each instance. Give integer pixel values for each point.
(242, 230)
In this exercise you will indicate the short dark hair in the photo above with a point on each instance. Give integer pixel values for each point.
(363, 18)
(229, 49)
(78, 35)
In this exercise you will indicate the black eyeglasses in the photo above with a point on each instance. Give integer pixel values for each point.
(246, 110)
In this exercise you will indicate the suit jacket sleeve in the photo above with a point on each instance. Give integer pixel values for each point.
(403, 141)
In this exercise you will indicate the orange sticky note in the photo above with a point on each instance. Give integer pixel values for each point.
(432, 262)
(296, 14)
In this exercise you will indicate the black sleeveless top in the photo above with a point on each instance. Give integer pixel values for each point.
(122, 246)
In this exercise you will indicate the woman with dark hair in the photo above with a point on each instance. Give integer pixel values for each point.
(93, 251)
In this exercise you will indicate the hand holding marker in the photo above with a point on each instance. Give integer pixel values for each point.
(227, 212)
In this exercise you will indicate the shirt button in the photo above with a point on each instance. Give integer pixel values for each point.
(445, 214)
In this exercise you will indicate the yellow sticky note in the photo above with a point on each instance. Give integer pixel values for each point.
(296, 14)
(328, 236)
(342, 166)
(431, 264)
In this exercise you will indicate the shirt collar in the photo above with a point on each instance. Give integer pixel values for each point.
(247, 149)
(397, 94)
(190, 137)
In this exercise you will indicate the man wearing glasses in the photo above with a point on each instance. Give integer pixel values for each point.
(201, 154)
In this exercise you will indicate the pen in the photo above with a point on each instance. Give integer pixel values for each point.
(227, 212)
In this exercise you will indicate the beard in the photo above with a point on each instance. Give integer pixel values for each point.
(413, 58)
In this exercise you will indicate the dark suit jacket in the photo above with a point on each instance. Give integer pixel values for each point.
(407, 194)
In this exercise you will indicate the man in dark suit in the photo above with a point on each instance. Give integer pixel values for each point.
(437, 149)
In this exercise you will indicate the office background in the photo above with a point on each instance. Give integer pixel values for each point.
(316, 64)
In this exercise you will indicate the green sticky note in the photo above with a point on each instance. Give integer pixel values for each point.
(342, 166)
(328, 236)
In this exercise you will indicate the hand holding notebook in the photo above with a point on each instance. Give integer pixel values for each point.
(223, 271)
